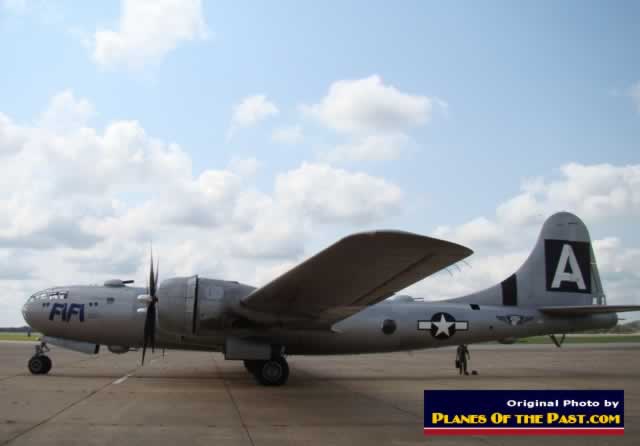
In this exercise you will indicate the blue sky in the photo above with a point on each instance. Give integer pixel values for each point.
(503, 94)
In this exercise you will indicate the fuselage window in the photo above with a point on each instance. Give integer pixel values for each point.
(110, 300)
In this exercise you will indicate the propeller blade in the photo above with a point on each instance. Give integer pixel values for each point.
(150, 317)
(144, 350)
(152, 279)
(157, 271)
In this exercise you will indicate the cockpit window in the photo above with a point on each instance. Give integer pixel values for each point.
(54, 295)
(49, 295)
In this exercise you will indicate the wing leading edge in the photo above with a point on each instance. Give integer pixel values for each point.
(355, 272)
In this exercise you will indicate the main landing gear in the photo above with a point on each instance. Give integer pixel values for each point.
(272, 372)
(40, 363)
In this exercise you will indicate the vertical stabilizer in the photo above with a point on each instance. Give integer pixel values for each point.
(560, 271)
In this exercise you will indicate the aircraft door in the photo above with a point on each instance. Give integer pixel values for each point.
(191, 306)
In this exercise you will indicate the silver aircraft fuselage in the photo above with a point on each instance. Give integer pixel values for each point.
(113, 316)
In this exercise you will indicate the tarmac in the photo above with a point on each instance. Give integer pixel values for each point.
(194, 398)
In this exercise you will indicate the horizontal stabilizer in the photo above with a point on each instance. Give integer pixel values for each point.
(583, 310)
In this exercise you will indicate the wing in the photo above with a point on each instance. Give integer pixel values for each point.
(357, 271)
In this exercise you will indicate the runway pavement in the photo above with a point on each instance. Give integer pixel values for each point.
(190, 398)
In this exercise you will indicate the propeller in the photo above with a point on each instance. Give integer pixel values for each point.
(150, 318)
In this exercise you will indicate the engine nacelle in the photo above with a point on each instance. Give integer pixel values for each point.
(195, 306)
(118, 349)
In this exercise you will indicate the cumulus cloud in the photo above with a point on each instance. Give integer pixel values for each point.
(66, 112)
(147, 31)
(250, 111)
(288, 135)
(374, 117)
(479, 229)
(367, 105)
(13, 267)
(81, 205)
(596, 193)
(614, 258)
(592, 192)
(329, 194)
(381, 147)
(11, 136)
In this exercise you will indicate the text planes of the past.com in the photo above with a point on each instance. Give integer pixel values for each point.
(333, 303)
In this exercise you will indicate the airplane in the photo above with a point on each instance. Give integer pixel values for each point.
(335, 302)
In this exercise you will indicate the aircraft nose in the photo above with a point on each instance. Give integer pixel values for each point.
(26, 313)
(32, 311)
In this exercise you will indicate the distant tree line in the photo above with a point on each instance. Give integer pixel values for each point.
(629, 327)
(23, 329)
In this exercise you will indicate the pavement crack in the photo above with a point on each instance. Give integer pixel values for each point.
(233, 401)
(60, 412)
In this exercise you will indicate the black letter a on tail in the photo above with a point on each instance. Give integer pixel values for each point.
(568, 266)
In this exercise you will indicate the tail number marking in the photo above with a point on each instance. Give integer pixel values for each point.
(568, 266)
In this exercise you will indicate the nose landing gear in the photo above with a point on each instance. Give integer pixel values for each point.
(40, 363)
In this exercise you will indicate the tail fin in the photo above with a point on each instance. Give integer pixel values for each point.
(560, 271)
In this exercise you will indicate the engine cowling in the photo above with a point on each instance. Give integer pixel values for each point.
(196, 306)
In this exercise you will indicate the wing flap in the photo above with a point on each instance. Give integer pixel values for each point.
(583, 310)
(357, 271)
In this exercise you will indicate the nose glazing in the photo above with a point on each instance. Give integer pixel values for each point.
(34, 308)
(27, 310)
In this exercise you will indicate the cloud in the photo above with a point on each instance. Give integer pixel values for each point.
(634, 92)
(244, 166)
(596, 193)
(81, 204)
(66, 112)
(328, 194)
(11, 136)
(373, 117)
(250, 111)
(12, 267)
(147, 31)
(479, 229)
(615, 258)
(382, 147)
(288, 135)
(592, 191)
(366, 105)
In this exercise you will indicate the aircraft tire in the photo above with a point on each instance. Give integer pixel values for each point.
(38, 365)
(48, 364)
(274, 372)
